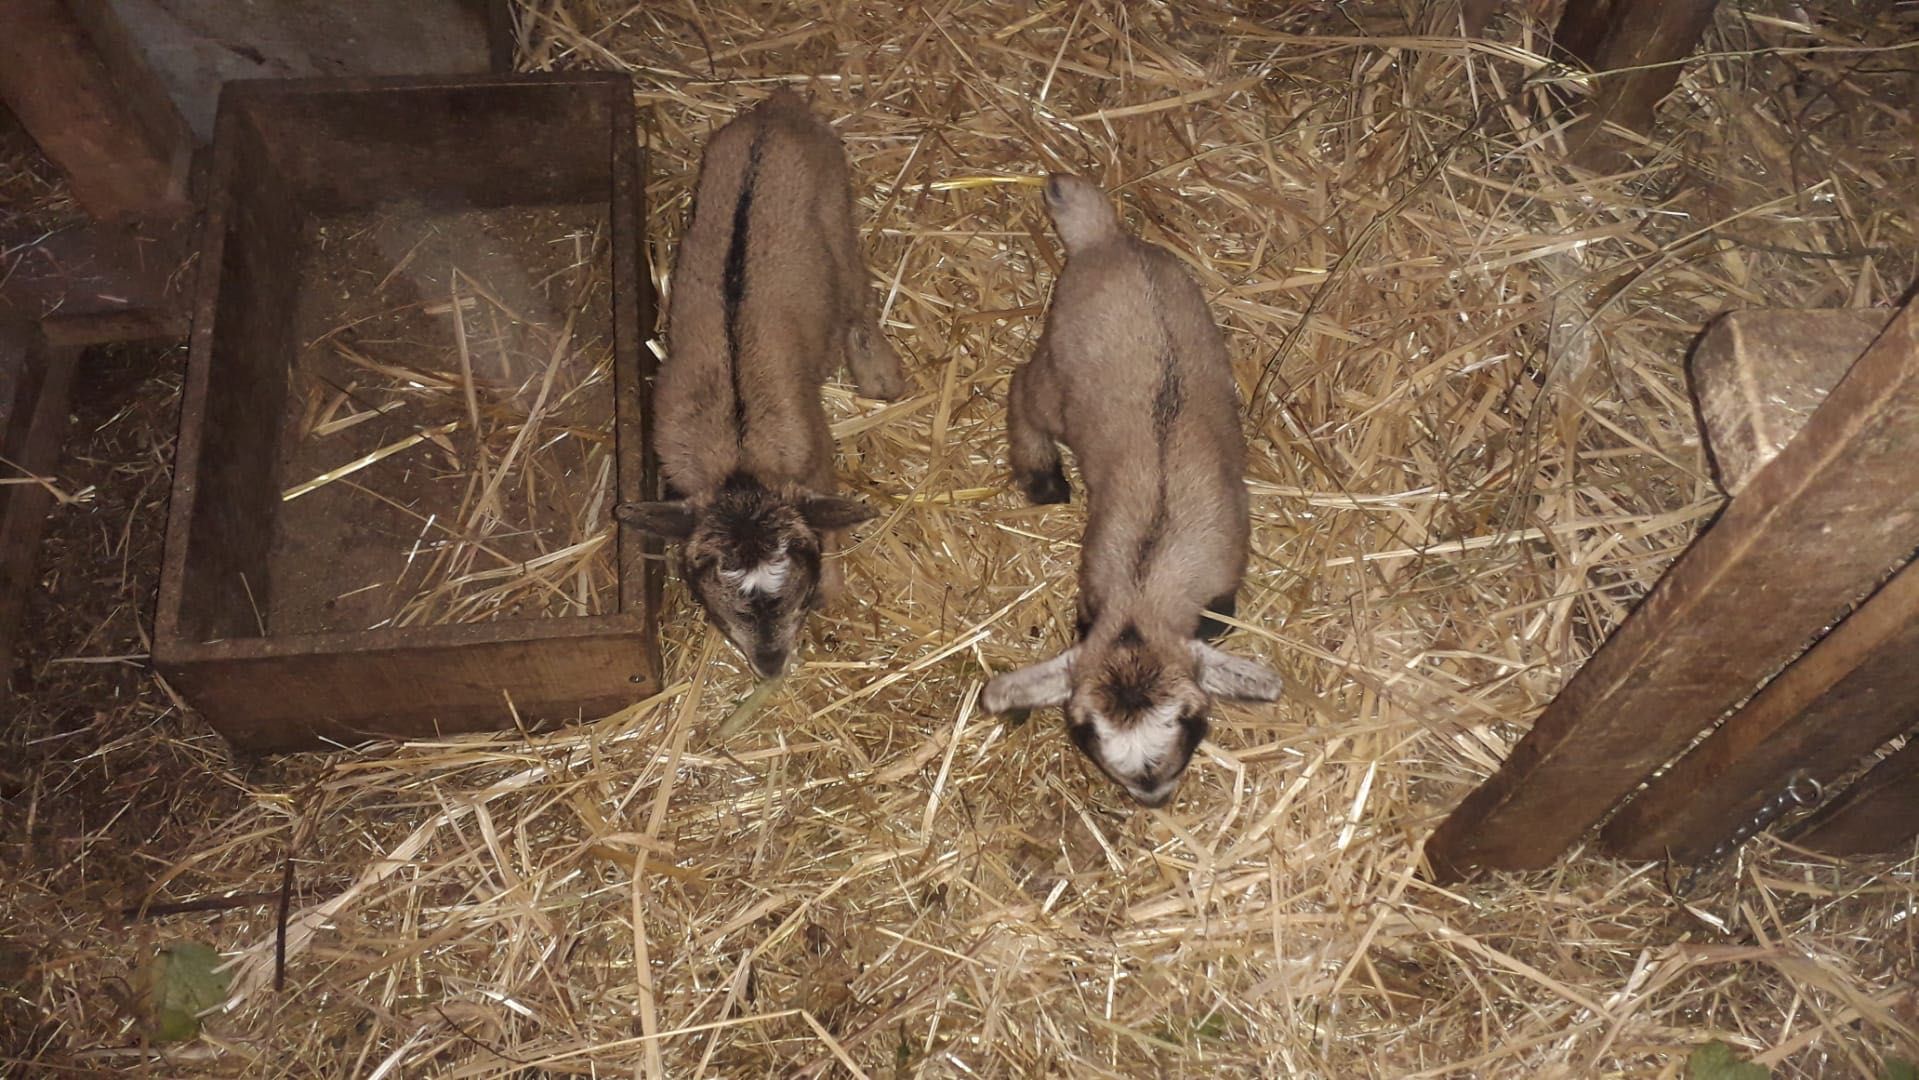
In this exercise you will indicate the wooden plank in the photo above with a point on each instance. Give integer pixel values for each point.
(1853, 691)
(137, 85)
(1877, 815)
(1813, 532)
(301, 692)
(127, 280)
(1757, 378)
(197, 46)
(1761, 374)
(1647, 36)
(85, 117)
(36, 382)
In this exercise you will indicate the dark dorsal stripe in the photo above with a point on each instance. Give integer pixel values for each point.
(1168, 400)
(734, 288)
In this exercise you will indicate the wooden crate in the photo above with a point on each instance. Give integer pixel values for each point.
(285, 151)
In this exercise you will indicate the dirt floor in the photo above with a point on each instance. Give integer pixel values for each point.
(1473, 452)
(105, 782)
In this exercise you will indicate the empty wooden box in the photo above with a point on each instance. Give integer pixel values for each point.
(481, 212)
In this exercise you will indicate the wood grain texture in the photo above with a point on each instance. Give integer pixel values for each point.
(1877, 815)
(1757, 376)
(1814, 531)
(1855, 689)
(302, 692)
(36, 381)
(1649, 37)
(114, 137)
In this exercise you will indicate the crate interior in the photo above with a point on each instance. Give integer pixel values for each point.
(424, 274)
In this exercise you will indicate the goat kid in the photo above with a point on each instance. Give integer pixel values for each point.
(769, 297)
(1133, 376)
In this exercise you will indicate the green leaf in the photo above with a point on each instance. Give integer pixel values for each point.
(1715, 1061)
(182, 983)
(1212, 1027)
(1899, 1069)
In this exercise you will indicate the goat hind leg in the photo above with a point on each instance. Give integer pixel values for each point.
(1033, 427)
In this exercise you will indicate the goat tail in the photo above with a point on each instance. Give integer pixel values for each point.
(1081, 211)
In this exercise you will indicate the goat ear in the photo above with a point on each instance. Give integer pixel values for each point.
(1235, 678)
(1049, 682)
(672, 520)
(829, 513)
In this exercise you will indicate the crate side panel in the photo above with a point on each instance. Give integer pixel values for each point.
(237, 413)
(444, 146)
(293, 702)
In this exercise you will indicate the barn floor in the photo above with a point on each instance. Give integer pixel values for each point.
(1473, 451)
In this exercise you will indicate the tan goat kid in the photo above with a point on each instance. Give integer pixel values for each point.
(1132, 374)
(769, 297)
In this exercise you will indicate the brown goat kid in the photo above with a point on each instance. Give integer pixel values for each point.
(769, 297)
(1132, 374)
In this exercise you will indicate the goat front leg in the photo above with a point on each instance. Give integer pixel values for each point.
(1034, 424)
(876, 368)
(870, 358)
(832, 578)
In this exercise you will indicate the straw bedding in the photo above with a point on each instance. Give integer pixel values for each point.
(1472, 451)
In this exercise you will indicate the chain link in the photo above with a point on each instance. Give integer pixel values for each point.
(1801, 790)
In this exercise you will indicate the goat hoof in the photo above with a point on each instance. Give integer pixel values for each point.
(1211, 629)
(1046, 488)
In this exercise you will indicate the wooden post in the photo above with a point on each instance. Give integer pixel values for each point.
(35, 382)
(1877, 815)
(1813, 532)
(121, 144)
(1651, 36)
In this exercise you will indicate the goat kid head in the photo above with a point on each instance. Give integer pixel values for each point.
(751, 556)
(1135, 710)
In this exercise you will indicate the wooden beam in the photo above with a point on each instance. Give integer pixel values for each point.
(109, 137)
(1759, 377)
(1643, 41)
(36, 380)
(1877, 815)
(1813, 532)
(1854, 690)
(194, 47)
(127, 280)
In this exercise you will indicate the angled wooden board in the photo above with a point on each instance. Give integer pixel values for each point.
(1850, 693)
(1815, 531)
(1877, 815)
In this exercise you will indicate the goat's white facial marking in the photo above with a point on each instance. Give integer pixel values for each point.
(1138, 750)
(766, 579)
(752, 560)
